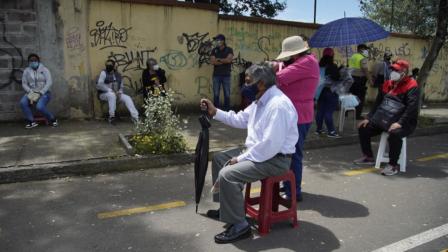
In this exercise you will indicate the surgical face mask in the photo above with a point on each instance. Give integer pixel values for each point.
(155, 67)
(219, 42)
(109, 68)
(34, 64)
(365, 53)
(395, 76)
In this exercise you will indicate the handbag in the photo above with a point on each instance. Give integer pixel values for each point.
(388, 112)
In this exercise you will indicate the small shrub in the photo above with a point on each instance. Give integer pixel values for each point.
(159, 131)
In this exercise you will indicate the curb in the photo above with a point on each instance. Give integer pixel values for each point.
(90, 167)
(130, 163)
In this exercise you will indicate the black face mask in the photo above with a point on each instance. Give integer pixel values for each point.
(288, 62)
(109, 68)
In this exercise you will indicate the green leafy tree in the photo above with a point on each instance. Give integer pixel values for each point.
(409, 16)
(422, 17)
(255, 8)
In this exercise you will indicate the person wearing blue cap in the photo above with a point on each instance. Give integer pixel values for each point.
(221, 58)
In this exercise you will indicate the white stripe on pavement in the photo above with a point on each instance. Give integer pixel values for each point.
(416, 240)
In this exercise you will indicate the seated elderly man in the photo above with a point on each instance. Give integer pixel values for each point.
(271, 122)
(402, 91)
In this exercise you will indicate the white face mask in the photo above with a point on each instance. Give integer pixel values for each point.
(395, 76)
(155, 67)
(365, 53)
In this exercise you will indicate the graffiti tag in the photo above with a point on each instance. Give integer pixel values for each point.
(105, 36)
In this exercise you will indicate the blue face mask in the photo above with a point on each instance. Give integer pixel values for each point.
(34, 65)
(250, 91)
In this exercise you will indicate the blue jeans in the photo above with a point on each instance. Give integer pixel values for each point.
(296, 161)
(41, 106)
(327, 103)
(223, 81)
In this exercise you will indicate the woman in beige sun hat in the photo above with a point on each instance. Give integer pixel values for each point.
(297, 77)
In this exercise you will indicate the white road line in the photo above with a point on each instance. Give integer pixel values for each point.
(416, 240)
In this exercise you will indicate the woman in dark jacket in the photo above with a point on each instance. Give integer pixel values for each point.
(406, 90)
(153, 76)
(328, 100)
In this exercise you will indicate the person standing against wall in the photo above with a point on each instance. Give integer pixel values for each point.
(360, 73)
(221, 58)
(36, 81)
(297, 77)
(381, 71)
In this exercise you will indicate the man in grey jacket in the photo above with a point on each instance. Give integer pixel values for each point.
(36, 81)
(110, 88)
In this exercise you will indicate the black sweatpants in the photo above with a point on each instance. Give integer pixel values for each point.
(395, 141)
(359, 89)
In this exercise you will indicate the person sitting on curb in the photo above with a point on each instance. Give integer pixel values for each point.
(110, 86)
(271, 123)
(405, 89)
(36, 81)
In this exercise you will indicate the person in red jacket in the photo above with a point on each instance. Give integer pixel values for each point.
(406, 90)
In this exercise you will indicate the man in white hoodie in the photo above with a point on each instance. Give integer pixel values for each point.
(36, 81)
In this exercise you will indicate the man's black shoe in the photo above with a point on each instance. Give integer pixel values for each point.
(229, 235)
(214, 214)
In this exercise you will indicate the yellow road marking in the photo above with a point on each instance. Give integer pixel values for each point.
(444, 250)
(360, 171)
(137, 210)
(438, 156)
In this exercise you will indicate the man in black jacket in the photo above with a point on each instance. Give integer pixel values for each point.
(406, 90)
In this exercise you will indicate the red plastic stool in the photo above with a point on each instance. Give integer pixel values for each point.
(39, 118)
(269, 201)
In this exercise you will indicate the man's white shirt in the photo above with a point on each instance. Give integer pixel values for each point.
(271, 124)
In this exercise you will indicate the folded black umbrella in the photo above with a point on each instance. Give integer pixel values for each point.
(201, 156)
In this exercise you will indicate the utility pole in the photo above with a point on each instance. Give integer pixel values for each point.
(315, 7)
(391, 16)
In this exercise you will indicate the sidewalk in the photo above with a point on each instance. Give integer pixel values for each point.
(88, 147)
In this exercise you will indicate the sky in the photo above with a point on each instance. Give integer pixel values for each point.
(327, 10)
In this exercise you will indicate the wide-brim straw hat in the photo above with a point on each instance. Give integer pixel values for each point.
(292, 46)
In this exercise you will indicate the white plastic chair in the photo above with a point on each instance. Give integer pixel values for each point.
(383, 156)
(346, 105)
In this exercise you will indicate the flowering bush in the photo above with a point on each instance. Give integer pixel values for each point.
(159, 131)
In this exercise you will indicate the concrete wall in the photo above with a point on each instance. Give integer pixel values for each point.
(29, 26)
(75, 38)
(18, 28)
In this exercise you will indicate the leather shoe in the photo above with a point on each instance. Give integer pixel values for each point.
(230, 235)
(213, 214)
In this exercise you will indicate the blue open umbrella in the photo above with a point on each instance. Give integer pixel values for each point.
(347, 31)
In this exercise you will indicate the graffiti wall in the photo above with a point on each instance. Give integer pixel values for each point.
(17, 28)
(178, 38)
(181, 39)
(75, 38)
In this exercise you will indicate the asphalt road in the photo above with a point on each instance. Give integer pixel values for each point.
(341, 211)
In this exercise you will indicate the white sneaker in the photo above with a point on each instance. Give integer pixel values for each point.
(390, 170)
(31, 125)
